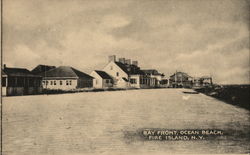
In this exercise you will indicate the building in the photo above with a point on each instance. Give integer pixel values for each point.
(197, 82)
(41, 69)
(101, 79)
(161, 81)
(180, 80)
(20, 81)
(66, 78)
(207, 80)
(203, 81)
(127, 74)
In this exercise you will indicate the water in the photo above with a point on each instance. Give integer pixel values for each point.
(104, 122)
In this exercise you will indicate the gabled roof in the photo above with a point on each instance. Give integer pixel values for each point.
(129, 69)
(103, 74)
(125, 79)
(40, 69)
(18, 72)
(66, 71)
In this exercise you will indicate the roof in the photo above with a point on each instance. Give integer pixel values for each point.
(184, 74)
(206, 77)
(66, 71)
(125, 79)
(19, 72)
(103, 74)
(151, 72)
(129, 69)
(40, 69)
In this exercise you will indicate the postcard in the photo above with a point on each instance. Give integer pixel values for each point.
(125, 77)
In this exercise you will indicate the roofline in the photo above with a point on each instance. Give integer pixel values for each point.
(118, 67)
(15, 68)
(101, 76)
(60, 77)
(45, 65)
(24, 76)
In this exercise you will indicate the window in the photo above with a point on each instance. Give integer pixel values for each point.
(54, 82)
(133, 81)
(51, 82)
(96, 81)
(4, 81)
(67, 82)
(61, 82)
(117, 73)
(70, 82)
(111, 67)
(47, 82)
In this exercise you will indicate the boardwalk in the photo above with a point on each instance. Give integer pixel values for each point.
(102, 122)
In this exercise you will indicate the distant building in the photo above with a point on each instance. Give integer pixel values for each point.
(66, 78)
(20, 81)
(202, 81)
(41, 69)
(181, 79)
(207, 80)
(161, 81)
(197, 82)
(126, 74)
(101, 79)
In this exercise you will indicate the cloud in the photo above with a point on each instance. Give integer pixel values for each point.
(24, 53)
(198, 37)
(114, 21)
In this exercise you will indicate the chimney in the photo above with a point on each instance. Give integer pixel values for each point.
(135, 63)
(128, 61)
(122, 60)
(112, 58)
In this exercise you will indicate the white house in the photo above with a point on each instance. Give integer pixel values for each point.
(101, 79)
(66, 78)
(126, 74)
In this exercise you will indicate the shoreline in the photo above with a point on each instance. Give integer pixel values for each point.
(237, 95)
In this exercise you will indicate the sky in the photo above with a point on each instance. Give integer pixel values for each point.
(198, 37)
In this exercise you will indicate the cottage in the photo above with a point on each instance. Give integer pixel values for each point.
(20, 81)
(126, 74)
(66, 78)
(101, 79)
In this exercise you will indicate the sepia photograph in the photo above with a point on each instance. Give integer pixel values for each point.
(125, 77)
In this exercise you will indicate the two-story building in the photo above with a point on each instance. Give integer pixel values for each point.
(161, 80)
(181, 79)
(202, 81)
(127, 74)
